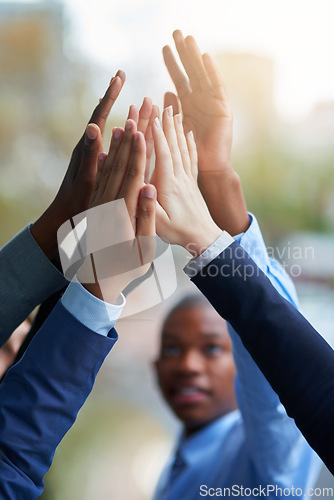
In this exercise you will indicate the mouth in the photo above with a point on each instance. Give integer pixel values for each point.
(186, 395)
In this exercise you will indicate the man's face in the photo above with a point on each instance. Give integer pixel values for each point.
(196, 369)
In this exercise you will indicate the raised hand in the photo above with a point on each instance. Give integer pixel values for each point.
(206, 111)
(120, 235)
(182, 216)
(75, 191)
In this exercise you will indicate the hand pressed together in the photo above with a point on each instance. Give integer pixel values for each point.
(120, 237)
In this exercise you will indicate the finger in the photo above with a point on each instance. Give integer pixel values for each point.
(146, 211)
(195, 56)
(182, 143)
(163, 161)
(144, 115)
(134, 177)
(115, 144)
(100, 165)
(99, 117)
(218, 87)
(133, 113)
(170, 134)
(192, 153)
(121, 161)
(149, 140)
(102, 110)
(186, 60)
(145, 232)
(170, 99)
(179, 79)
(85, 178)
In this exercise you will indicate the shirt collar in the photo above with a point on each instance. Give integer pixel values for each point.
(205, 440)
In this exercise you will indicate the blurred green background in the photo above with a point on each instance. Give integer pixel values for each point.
(56, 59)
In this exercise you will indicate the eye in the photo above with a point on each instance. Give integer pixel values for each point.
(212, 349)
(169, 351)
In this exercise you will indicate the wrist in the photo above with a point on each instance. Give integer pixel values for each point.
(106, 289)
(222, 191)
(44, 231)
(197, 243)
(215, 168)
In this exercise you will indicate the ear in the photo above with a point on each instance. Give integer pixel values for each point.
(156, 370)
(156, 365)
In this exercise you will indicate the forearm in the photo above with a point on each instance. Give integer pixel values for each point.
(223, 195)
(44, 230)
(40, 398)
(254, 393)
(281, 342)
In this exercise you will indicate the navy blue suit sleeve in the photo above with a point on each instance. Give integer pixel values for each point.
(41, 396)
(295, 359)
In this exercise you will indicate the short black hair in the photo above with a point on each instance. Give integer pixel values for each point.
(189, 301)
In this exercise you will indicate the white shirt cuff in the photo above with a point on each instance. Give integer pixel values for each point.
(194, 266)
(92, 312)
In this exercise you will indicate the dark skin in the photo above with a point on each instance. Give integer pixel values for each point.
(75, 191)
(195, 368)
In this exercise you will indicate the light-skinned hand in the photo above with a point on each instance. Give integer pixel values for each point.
(182, 215)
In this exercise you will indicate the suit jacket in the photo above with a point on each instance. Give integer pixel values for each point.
(27, 279)
(41, 396)
(295, 359)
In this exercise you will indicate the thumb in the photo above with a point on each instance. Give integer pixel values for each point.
(93, 145)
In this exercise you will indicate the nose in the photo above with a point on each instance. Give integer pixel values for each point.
(191, 362)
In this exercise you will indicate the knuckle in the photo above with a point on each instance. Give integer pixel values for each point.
(133, 171)
(146, 211)
(88, 150)
(118, 166)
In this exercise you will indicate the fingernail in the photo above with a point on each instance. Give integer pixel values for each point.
(128, 125)
(191, 135)
(170, 111)
(179, 118)
(117, 133)
(148, 191)
(156, 122)
(91, 132)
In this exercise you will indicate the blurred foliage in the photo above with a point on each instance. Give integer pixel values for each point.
(287, 191)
